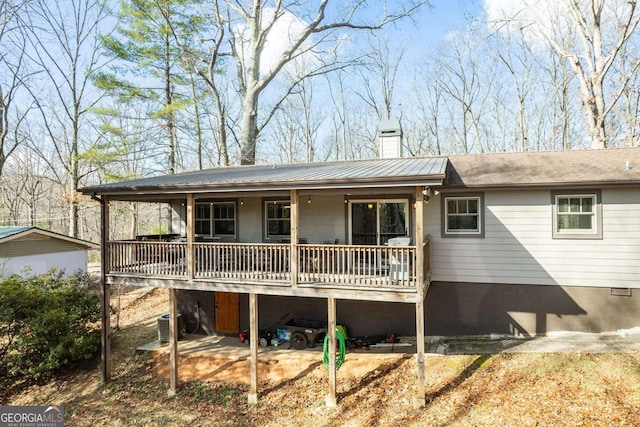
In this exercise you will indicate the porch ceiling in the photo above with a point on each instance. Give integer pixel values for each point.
(348, 174)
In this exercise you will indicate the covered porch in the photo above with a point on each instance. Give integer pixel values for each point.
(245, 266)
(337, 231)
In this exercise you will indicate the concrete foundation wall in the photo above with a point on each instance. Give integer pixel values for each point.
(450, 309)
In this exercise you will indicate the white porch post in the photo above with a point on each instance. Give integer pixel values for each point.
(331, 309)
(173, 341)
(253, 348)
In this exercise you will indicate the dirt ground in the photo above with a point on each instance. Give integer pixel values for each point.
(571, 389)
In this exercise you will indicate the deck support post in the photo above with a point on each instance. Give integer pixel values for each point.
(173, 341)
(419, 399)
(253, 348)
(331, 332)
(106, 292)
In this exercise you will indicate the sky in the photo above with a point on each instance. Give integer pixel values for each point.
(447, 15)
(432, 25)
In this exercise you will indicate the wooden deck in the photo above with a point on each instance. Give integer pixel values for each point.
(349, 271)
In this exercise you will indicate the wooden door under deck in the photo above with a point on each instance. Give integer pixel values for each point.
(227, 314)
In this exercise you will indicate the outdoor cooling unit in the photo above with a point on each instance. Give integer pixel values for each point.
(399, 265)
(163, 327)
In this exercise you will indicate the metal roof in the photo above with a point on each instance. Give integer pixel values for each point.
(545, 168)
(324, 175)
(8, 231)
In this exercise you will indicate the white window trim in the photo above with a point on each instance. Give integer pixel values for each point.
(463, 233)
(595, 232)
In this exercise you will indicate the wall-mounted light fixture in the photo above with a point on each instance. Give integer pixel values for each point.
(309, 200)
(241, 201)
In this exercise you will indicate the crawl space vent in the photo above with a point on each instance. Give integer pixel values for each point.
(620, 292)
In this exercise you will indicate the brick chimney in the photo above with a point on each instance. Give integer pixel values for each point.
(390, 137)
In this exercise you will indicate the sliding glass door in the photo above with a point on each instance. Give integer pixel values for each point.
(374, 222)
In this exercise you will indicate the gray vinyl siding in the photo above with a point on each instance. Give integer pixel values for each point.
(249, 220)
(518, 246)
(323, 219)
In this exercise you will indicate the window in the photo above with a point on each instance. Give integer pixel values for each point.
(577, 215)
(203, 219)
(278, 218)
(374, 221)
(462, 216)
(215, 219)
(224, 219)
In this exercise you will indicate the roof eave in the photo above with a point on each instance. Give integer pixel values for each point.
(51, 234)
(535, 185)
(379, 182)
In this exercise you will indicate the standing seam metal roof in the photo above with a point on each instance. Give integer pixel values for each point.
(288, 175)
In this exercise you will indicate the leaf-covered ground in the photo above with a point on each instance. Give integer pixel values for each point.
(576, 389)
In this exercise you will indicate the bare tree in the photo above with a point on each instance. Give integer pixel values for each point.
(591, 34)
(427, 133)
(296, 126)
(207, 66)
(65, 48)
(308, 30)
(557, 106)
(340, 116)
(380, 74)
(12, 75)
(514, 54)
(467, 90)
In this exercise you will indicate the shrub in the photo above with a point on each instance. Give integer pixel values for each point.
(47, 322)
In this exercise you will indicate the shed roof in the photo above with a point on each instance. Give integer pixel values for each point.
(545, 168)
(8, 233)
(345, 174)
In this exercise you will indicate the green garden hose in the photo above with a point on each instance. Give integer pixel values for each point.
(342, 348)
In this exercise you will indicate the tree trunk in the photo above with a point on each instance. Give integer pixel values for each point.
(171, 158)
(196, 121)
(249, 126)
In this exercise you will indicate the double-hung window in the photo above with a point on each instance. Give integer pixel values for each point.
(462, 216)
(277, 219)
(215, 219)
(224, 219)
(577, 215)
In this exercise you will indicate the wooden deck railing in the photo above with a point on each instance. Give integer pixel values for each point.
(337, 265)
(358, 265)
(242, 261)
(147, 258)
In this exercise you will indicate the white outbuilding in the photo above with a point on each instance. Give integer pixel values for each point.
(32, 250)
